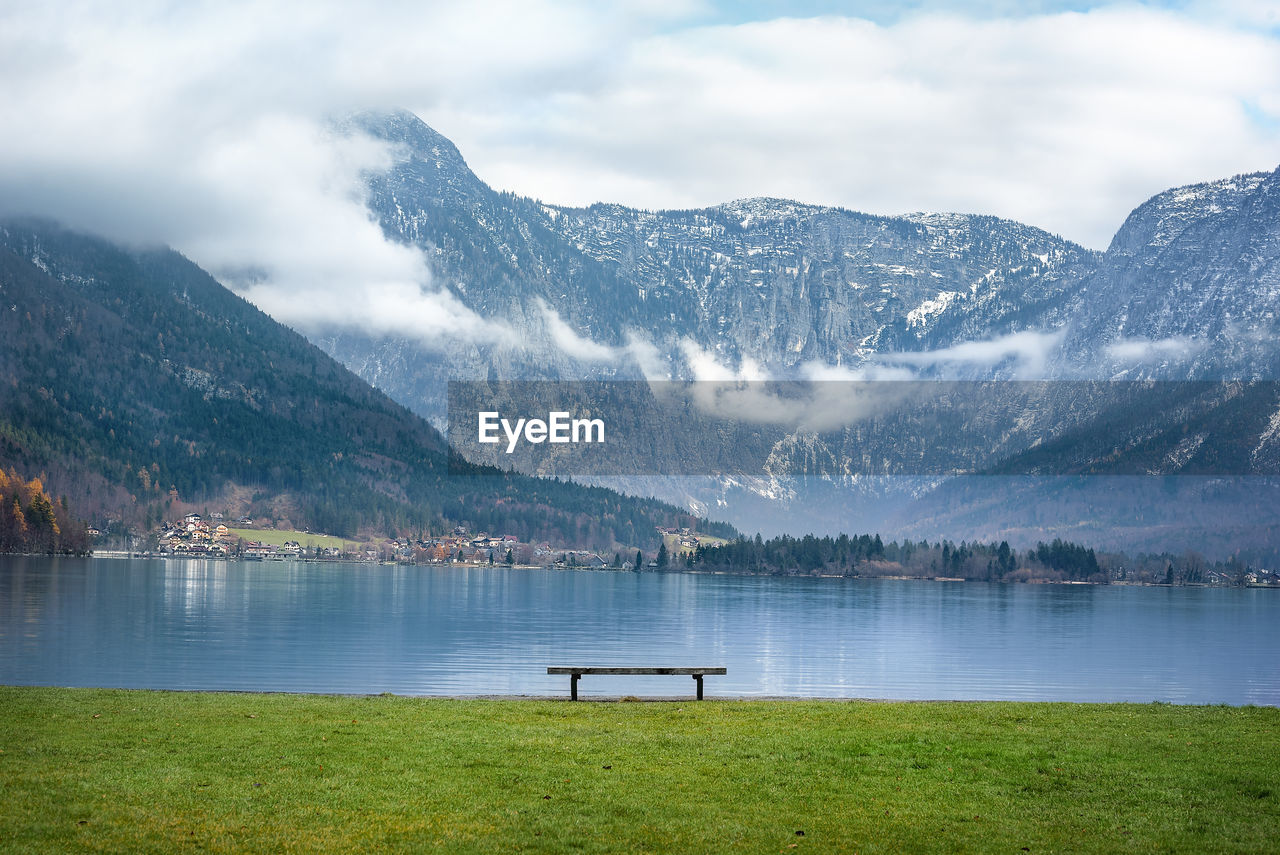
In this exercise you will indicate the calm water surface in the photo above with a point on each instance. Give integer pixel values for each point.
(422, 631)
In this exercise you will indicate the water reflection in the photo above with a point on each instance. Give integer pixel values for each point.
(200, 624)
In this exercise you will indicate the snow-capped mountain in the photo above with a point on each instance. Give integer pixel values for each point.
(773, 281)
(1189, 288)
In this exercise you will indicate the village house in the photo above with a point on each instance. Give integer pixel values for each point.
(253, 549)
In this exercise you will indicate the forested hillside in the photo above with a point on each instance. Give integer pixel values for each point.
(134, 382)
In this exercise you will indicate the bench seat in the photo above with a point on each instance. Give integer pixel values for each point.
(575, 673)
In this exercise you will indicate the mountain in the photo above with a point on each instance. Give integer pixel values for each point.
(1187, 290)
(1189, 287)
(137, 384)
(777, 282)
(1191, 281)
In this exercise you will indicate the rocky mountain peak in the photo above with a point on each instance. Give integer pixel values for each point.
(1163, 218)
(421, 144)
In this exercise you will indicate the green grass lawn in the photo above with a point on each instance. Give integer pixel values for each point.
(280, 538)
(85, 769)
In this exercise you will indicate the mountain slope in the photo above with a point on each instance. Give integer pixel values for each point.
(134, 380)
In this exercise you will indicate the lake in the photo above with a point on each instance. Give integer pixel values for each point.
(226, 625)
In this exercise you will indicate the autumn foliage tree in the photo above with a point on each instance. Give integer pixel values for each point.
(30, 521)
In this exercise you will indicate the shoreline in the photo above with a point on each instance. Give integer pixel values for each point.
(631, 699)
(120, 554)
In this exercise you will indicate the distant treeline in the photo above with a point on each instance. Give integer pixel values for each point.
(868, 555)
(30, 521)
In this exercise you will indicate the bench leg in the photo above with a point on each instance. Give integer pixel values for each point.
(573, 686)
(698, 677)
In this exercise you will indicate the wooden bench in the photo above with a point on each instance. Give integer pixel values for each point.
(576, 673)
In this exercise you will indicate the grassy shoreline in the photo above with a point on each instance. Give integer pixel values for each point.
(132, 770)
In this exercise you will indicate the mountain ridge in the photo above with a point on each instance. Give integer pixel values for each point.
(782, 282)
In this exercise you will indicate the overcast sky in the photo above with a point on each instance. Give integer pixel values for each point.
(201, 125)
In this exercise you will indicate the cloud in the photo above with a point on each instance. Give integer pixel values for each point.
(301, 244)
(815, 398)
(638, 350)
(1065, 121)
(1139, 350)
(705, 366)
(207, 127)
(570, 343)
(1029, 351)
(821, 372)
(203, 125)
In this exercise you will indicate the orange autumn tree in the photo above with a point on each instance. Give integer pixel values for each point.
(30, 521)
